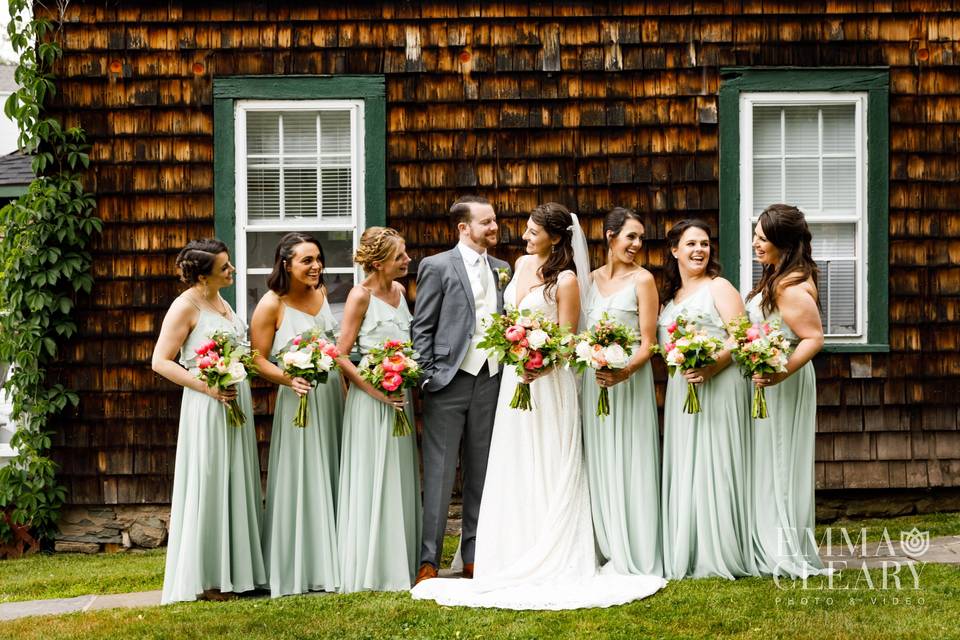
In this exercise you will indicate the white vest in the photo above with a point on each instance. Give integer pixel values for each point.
(485, 303)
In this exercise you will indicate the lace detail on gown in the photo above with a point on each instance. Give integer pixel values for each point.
(535, 544)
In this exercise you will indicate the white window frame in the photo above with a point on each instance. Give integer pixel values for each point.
(7, 423)
(355, 225)
(748, 219)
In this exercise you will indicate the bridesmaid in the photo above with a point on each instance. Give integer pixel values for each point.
(214, 545)
(706, 498)
(300, 535)
(378, 517)
(623, 449)
(783, 537)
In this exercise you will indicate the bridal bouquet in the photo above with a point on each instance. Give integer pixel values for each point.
(689, 347)
(311, 356)
(606, 345)
(526, 340)
(222, 362)
(391, 369)
(759, 348)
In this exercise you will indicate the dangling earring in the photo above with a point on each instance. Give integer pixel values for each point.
(553, 249)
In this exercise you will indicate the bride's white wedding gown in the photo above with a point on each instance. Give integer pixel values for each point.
(535, 546)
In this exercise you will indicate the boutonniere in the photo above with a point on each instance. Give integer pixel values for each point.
(503, 277)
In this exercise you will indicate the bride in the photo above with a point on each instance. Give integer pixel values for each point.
(535, 546)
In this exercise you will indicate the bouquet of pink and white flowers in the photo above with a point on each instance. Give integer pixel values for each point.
(392, 369)
(312, 356)
(526, 340)
(759, 347)
(222, 362)
(606, 345)
(688, 347)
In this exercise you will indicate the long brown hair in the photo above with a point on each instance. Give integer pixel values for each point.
(786, 228)
(671, 270)
(557, 222)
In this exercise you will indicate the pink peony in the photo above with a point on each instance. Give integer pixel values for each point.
(297, 340)
(535, 361)
(672, 327)
(669, 347)
(392, 381)
(515, 333)
(753, 333)
(331, 350)
(204, 362)
(396, 363)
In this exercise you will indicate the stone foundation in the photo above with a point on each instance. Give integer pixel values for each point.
(884, 503)
(112, 528)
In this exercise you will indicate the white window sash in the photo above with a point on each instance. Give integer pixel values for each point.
(746, 215)
(354, 223)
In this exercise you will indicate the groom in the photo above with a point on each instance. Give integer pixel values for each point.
(456, 291)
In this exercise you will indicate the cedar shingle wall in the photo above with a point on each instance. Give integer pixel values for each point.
(623, 115)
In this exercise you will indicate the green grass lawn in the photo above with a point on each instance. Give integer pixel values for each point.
(753, 607)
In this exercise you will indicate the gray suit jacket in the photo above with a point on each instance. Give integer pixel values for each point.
(444, 316)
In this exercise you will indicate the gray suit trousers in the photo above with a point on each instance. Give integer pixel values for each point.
(463, 411)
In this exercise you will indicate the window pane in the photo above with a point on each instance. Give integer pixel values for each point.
(839, 184)
(335, 192)
(263, 132)
(337, 248)
(335, 132)
(839, 128)
(299, 192)
(838, 296)
(834, 240)
(300, 132)
(766, 184)
(263, 193)
(803, 184)
(802, 131)
(766, 131)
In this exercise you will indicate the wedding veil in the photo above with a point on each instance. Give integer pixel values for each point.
(581, 258)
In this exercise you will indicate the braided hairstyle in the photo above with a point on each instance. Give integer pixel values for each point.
(557, 222)
(785, 226)
(377, 244)
(279, 280)
(197, 259)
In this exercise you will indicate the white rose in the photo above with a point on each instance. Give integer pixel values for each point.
(537, 338)
(325, 363)
(237, 372)
(675, 358)
(298, 359)
(616, 356)
(682, 343)
(584, 352)
(221, 366)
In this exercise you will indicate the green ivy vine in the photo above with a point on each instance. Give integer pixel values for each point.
(44, 265)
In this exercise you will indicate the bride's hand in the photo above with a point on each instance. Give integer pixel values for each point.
(529, 376)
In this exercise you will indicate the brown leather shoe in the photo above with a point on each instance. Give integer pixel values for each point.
(426, 572)
(468, 570)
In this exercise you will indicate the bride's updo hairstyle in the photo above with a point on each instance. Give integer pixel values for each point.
(557, 222)
(785, 226)
(197, 258)
(377, 244)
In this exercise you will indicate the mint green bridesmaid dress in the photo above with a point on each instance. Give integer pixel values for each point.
(707, 490)
(622, 453)
(300, 532)
(378, 508)
(215, 510)
(783, 498)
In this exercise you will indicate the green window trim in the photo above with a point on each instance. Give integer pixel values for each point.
(227, 90)
(875, 81)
